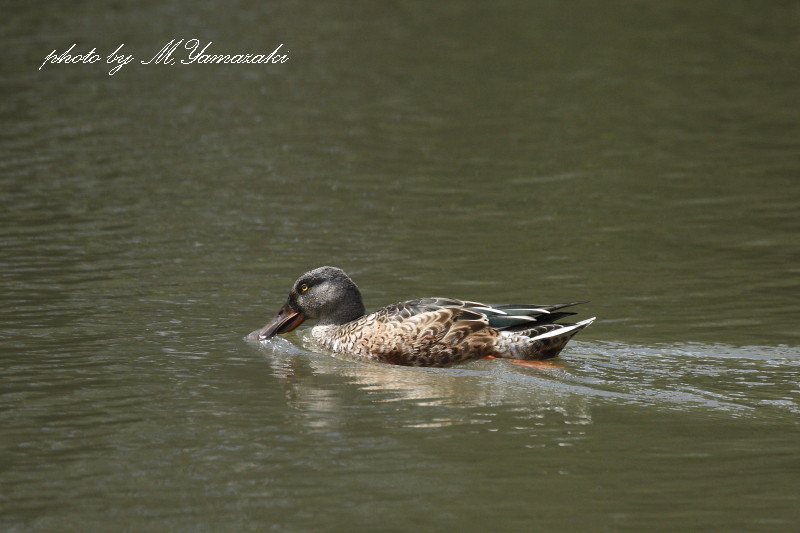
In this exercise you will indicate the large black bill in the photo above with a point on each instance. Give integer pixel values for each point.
(284, 321)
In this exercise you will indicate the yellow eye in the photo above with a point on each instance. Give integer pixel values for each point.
(303, 287)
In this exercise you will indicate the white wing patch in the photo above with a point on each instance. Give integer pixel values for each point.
(567, 329)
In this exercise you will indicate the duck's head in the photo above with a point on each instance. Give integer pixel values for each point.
(325, 293)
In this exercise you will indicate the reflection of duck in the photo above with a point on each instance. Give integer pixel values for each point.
(424, 332)
(319, 394)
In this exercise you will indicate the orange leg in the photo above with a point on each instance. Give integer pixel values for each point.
(538, 365)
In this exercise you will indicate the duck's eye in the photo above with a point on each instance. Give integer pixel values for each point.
(303, 287)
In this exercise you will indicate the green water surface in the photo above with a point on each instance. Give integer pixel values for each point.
(640, 155)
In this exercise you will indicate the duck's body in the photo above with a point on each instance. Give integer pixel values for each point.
(424, 332)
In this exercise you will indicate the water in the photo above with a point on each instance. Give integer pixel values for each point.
(643, 157)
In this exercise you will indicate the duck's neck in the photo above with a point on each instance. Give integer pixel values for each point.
(345, 312)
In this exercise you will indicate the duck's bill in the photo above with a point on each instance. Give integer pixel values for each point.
(284, 321)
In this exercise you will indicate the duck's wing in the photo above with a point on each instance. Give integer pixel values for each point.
(500, 317)
(411, 308)
(521, 317)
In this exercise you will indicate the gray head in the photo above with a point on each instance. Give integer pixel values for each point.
(325, 293)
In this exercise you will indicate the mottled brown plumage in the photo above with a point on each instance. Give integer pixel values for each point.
(424, 332)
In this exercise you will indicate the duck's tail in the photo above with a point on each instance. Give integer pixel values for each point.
(539, 342)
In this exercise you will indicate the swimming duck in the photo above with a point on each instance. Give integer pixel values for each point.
(423, 332)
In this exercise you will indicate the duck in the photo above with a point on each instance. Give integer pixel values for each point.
(427, 332)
